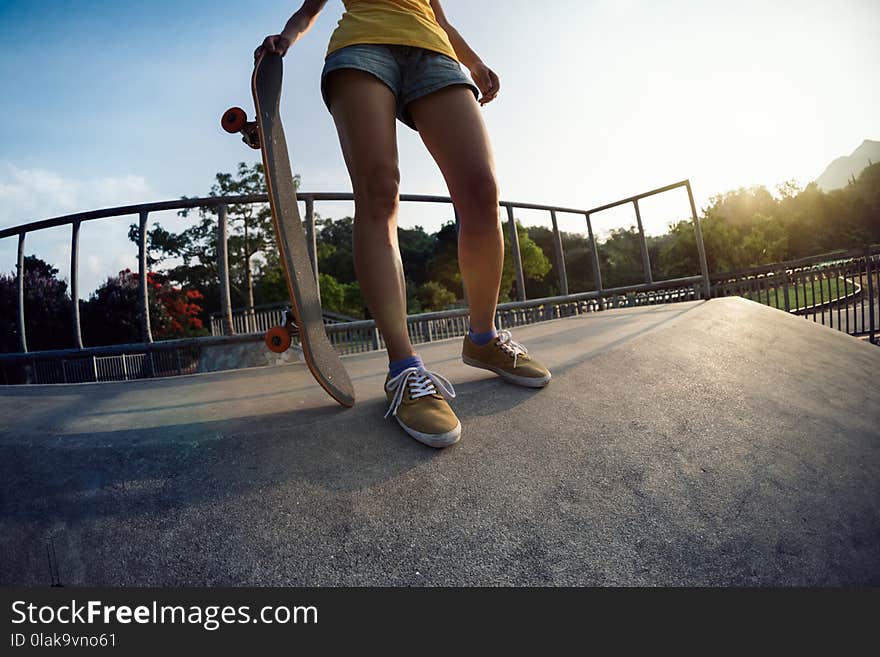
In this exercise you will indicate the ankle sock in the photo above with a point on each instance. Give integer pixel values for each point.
(397, 366)
(482, 338)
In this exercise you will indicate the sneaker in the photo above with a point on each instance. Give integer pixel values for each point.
(420, 409)
(508, 359)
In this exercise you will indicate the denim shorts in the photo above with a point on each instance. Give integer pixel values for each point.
(410, 72)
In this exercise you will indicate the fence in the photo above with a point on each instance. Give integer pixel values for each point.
(117, 367)
(348, 336)
(839, 290)
(260, 319)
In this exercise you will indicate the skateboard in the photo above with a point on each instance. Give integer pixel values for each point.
(304, 317)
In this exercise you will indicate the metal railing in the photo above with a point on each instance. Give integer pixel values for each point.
(356, 335)
(839, 289)
(263, 317)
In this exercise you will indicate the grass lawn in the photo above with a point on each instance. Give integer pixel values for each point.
(808, 294)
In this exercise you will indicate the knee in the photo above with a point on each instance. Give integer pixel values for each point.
(478, 195)
(377, 193)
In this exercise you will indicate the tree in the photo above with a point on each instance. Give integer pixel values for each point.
(335, 248)
(251, 240)
(344, 298)
(416, 248)
(620, 258)
(47, 309)
(547, 286)
(534, 263)
(112, 313)
(433, 296)
(252, 231)
(443, 263)
(679, 257)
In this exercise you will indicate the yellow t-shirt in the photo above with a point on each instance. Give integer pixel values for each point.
(391, 22)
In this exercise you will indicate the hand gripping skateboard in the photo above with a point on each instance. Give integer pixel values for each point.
(305, 318)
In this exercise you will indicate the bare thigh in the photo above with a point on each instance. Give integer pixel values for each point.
(364, 110)
(451, 126)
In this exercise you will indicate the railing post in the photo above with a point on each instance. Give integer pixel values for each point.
(311, 239)
(22, 337)
(374, 335)
(223, 270)
(871, 318)
(143, 288)
(701, 249)
(643, 244)
(517, 260)
(74, 284)
(785, 293)
(560, 256)
(597, 275)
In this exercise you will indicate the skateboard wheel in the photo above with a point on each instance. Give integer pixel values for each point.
(278, 339)
(234, 119)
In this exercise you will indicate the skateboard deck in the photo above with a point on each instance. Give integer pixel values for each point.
(322, 359)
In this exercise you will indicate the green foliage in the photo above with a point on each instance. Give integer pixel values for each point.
(416, 248)
(749, 227)
(620, 258)
(443, 264)
(334, 252)
(548, 285)
(344, 298)
(578, 263)
(535, 263)
(433, 296)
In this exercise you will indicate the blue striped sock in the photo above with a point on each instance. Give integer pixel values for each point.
(396, 367)
(482, 338)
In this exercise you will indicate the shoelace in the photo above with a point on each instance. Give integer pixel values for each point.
(515, 349)
(421, 383)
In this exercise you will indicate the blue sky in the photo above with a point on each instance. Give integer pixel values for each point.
(110, 103)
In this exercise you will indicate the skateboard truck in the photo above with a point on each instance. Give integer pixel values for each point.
(278, 338)
(235, 120)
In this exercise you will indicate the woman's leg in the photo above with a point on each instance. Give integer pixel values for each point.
(450, 124)
(364, 110)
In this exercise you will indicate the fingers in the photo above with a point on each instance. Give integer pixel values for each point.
(273, 44)
(490, 86)
(268, 45)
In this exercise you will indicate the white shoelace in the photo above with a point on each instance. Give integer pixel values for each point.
(515, 349)
(421, 383)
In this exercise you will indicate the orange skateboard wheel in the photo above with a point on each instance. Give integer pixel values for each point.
(278, 339)
(234, 119)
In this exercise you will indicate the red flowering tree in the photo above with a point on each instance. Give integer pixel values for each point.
(112, 313)
(181, 308)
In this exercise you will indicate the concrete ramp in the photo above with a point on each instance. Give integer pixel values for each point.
(704, 443)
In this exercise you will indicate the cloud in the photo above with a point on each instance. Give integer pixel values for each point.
(28, 195)
(32, 194)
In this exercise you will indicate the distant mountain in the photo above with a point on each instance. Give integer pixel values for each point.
(838, 173)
